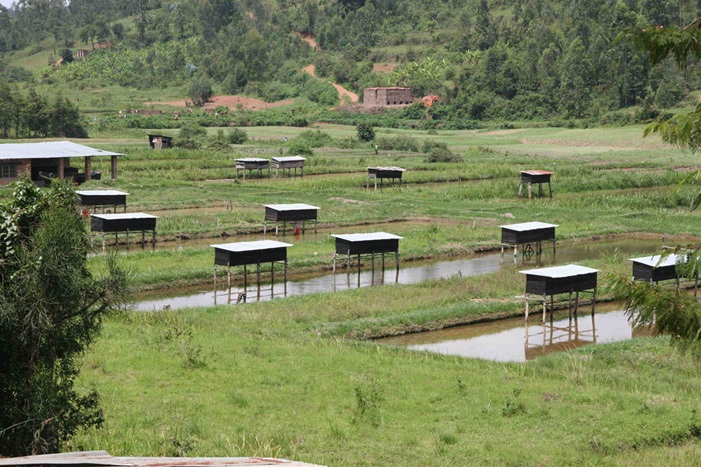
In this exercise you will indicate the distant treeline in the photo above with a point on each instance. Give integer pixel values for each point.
(28, 115)
(485, 59)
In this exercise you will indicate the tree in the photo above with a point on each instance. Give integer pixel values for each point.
(66, 55)
(365, 131)
(118, 31)
(200, 91)
(51, 309)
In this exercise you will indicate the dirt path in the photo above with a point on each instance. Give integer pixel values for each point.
(232, 102)
(342, 92)
(309, 39)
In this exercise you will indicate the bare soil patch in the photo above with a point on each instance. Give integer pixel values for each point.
(232, 102)
(342, 92)
(384, 67)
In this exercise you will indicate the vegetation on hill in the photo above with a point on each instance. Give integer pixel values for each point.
(512, 59)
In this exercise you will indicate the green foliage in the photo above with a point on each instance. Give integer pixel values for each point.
(51, 309)
(200, 91)
(398, 143)
(66, 55)
(365, 131)
(316, 138)
(443, 155)
(238, 136)
(299, 147)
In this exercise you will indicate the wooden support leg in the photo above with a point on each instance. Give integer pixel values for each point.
(316, 225)
(285, 277)
(228, 282)
(127, 239)
(552, 308)
(258, 279)
(265, 227)
(520, 189)
(570, 306)
(335, 255)
(272, 280)
(276, 228)
(554, 247)
(215, 284)
(677, 283)
(502, 249)
(245, 280)
(593, 303)
(576, 305)
(515, 250)
(103, 241)
(143, 239)
(529, 190)
(593, 328)
(551, 189)
(153, 242)
(372, 278)
(358, 271)
(396, 258)
(527, 315)
(545, 307)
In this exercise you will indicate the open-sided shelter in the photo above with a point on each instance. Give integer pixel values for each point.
(126, 223)
(246, 254)
(368, 245)
(252, 164)
(290, 213)
(288, 163)
(527, 233)
(569, 279)
(103, 198)
(382, 173)
(655, 269)
(44, 161)
(538, 177)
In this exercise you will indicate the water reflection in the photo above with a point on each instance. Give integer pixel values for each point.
(514, 340)
(417, 272)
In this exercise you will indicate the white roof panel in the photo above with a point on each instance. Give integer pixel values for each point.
(49, 150)
(125, 215)
(101, 192)
(388, 169)
(526, 226)
(291, 207)
(251, 159)
(537, 172)
(289, 159)
(654, 261)
(558, 272)
(250, 246)
(368, 237)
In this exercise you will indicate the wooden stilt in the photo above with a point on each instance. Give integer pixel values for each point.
(143, 239)
(103, 241)
(576, 305)
(228, 283)
(545, 307)
(358, 271)
(372, 278)
(527, 305)
(127, 239)
(334, 270)
(593, 303)
(570, 306)
(265, 227)
(245, 280)
(285, 277)
(272, 280)
(529, 190)
(396, 258)
(552, 308)
(593, 328)
(551, 189)
(520, 189)
(215, 284)
(258, 280)
(153, 241)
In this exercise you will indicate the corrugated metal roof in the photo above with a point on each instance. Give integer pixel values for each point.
(654, 261)
(103, 458)
(250, 246)
(291, 207)
(289, 159)
(126, 215)
(251, 159)
(536, 172)
(558, 272)
(49, 150)
(368, 237)
(388, 169)
(526, 226)
(101, 192)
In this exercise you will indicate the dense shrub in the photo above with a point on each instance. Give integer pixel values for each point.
(316, 138)
(398, 143)
(429, 145)
(366, 132)
(238, 136)
(299, 148)
(440, 154)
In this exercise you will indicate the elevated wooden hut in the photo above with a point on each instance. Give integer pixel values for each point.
(527, 233)
(368, 245)
(570, 279)
(246, 254)
(382, 173)
(537, 177)
(288, 163)
(290, 213)
(252, 164)
(103, 199)
(126, 223)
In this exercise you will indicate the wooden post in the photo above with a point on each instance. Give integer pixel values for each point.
(372, 278)
(127, 239)
(265, 227)
(114, 168)
(335, 255)
(545, 307)
(358, 270)
(285, 277)
(520, 188)
(88, 168)
(529, 190)
(272, 280)
(570, 306)
(552, 308)
(576, 305)
(245, 280)
(593, 328)
(143, 239)
(551, 189)
(61, 167)
(103, 241)
(215, 284)
(258, 296)
(153, 245)
(228, 282)
(396, 258)
(526, 317)
(593, 303)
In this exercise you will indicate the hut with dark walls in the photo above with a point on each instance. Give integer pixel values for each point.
(527, 233)
(655, 269)
(382, 173)
(160, 141)
(246, 254)
(570, 279)
(368, 245)
(538, 177)
(103, 199)
(44, 161)
(288, 163)
(252, 164)
(126, 223)
(292, 213)
(387, 97)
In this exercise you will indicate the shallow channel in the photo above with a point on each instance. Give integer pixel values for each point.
(410, 273)
(518, 340)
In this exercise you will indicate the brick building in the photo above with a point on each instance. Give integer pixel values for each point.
(392, 97)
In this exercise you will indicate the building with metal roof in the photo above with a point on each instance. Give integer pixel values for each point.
(44, 161)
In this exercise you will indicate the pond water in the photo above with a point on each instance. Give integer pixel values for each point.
(411, 273)
(518, 340)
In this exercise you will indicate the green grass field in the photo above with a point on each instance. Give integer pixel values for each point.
(298, 377)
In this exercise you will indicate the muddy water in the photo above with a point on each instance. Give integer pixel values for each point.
(412, 273)
(515, 340)
(288, 236)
